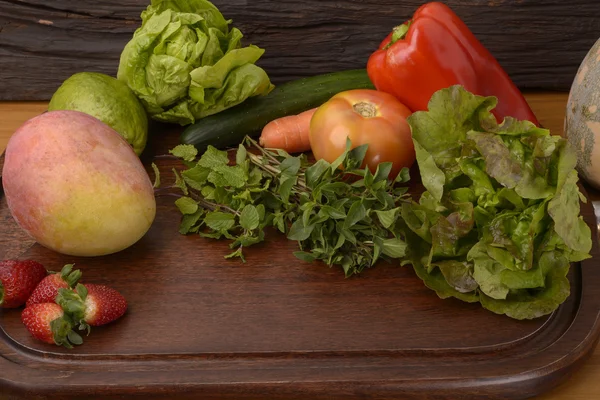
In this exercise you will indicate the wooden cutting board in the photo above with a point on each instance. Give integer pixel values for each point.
(199, 325)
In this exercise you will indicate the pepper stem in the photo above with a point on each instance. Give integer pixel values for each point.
(400, 32)
(367, 110)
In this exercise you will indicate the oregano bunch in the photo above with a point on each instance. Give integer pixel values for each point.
(338, 212)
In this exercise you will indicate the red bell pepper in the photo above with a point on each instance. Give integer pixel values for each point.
(435, 50)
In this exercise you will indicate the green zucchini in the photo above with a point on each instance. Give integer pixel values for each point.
(229, 127)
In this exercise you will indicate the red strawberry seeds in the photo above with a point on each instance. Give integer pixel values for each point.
(92, 305)
(47, 322)
(18, 279)
(47, 289)
(103, 305)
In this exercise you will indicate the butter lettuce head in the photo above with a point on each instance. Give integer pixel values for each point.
(499, 222)
(184, 63)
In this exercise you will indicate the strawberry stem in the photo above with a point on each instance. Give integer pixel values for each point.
(70, 276)
(62, 331)
(75, 337)
(73, 304)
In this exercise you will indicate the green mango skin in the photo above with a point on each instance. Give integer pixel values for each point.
(107, 99)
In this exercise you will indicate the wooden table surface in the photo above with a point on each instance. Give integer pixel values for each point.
(549, 108)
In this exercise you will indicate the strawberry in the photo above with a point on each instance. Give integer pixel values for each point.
(47, 289)
(92, 305)
(18, 279)
(47, 322)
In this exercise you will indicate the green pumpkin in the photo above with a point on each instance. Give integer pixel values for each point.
(582, 120)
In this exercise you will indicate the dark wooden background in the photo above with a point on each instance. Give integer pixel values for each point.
(42, 42)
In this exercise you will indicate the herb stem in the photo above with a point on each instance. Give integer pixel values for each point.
(265, 152)
(164, 191)
(159, 194)
(212, 206)
(257, 160)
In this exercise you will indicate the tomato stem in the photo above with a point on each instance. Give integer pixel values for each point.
(367, 110)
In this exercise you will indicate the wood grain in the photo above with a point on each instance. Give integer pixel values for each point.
(282, 302)
(539, 43)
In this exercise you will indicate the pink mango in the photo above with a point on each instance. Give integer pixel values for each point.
(76, 186)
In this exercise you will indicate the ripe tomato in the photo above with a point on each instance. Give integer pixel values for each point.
(366, 117)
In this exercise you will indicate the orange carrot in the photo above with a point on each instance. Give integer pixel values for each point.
(289, 133)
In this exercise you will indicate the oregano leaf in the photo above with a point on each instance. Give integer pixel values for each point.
(290, 166)
(305, 256)
(300, 232)
(383, 171)
(285, 188)
(394, 247)
(356, 213)
(387, 217)
(316, 172)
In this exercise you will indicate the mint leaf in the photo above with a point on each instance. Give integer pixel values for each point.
(249, 218)
(213, 158)
(241, 155)
(180, 183)
(223, 175)
(186, 152)
(156, 176)
(189, 221)
(237, 253)
(186, 205)
(246, 240)
(196, 177)
(219, 221)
